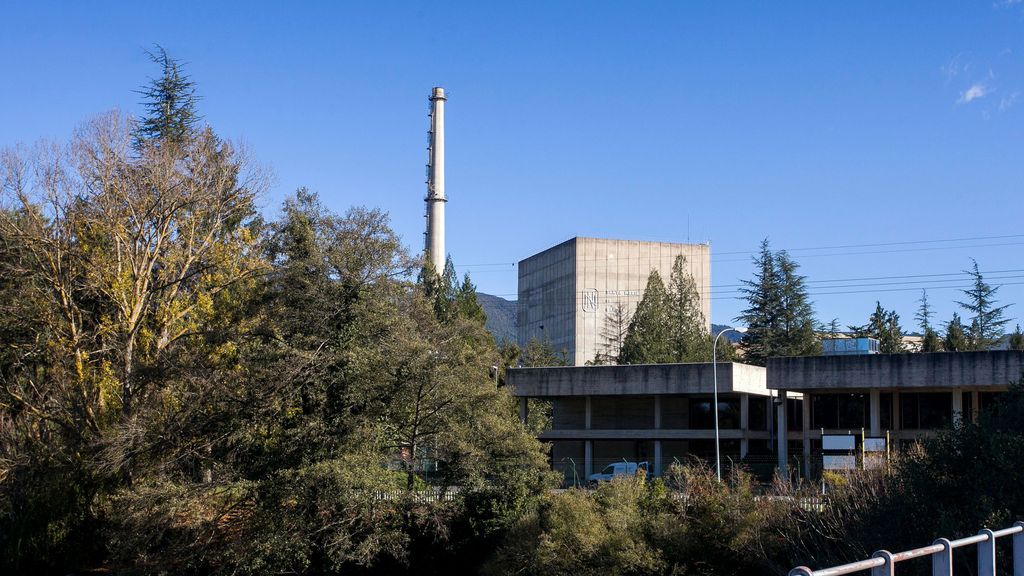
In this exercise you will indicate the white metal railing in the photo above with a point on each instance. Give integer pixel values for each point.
(883, 562)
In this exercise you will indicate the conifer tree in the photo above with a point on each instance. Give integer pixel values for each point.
(613, 333)
(797, 314)
(690, 341)
(1016, 340)
(987, 322)
(466, 305)
(956, 338)
(930, 338)
(649, 337)
(884, 326)
(170, 103)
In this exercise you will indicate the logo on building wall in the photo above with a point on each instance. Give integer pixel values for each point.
(590, 300)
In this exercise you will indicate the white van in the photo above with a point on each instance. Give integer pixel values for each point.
(618, 469)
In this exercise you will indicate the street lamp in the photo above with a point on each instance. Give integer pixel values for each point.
(714, 369)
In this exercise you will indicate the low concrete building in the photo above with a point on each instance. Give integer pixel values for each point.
(657, 413)
(904, 397)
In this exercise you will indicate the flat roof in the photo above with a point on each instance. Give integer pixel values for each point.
(914, 370)
(636, 380)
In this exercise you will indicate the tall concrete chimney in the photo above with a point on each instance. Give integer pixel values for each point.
(435, 182)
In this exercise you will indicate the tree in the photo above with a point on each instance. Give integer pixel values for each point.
(956, 338)
(884, 326)
(930, 338)
(1016, 340)
(987, 320)
(689, 338)
(779, 316)
(613, 333)
(170, 103)
(538, 353)
(650, 332)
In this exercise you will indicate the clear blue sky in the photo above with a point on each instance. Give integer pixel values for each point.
(818, 124)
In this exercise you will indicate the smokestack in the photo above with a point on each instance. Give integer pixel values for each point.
(435, 182)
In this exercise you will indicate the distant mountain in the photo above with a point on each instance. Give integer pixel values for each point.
(731, 336)
(501, 316)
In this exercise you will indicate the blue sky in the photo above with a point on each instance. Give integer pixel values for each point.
(897, 125)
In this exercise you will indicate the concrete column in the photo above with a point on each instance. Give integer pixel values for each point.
(958, 406)
(807, 434)
(875, 411)
(524, 409)
(744, 424)
(782, 451)
(657, 412)
(588, 458)
(586, 417)
(657, 457)
(975, 406)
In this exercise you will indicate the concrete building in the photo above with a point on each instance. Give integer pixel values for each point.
(566, 292)
(657, 413)
(902, 396)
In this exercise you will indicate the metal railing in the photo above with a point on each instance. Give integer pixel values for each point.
(883, 562)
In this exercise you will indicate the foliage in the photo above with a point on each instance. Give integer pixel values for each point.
(648, 340)
(613, 333)
(987, 320)
(1016, 339)
(884, 326)
(779, 316)
(930, 341)
(170, 102)
(956, 338)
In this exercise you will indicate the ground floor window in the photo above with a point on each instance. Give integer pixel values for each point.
(926, 410)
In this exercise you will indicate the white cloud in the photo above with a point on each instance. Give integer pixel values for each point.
(976, 91)
(1007, 101)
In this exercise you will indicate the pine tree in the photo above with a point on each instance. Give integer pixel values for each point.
(956, 339)
(884, 326)
(930, 338)
(170, 103)
(1016, 340)
(987, 322)
(779, 318)
(649, 337)
(539, 353)
(466, 305)
(689, 337)
(764, 296)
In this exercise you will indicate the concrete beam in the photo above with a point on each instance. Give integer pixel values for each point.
(636, 380)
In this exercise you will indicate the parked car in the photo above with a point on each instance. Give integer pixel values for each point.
(619, 469)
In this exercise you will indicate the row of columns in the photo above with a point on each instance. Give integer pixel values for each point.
(588, 445)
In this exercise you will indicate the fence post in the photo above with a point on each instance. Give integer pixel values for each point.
(1018, 550)
(800, 571)
(987, 554)
(942, 562)
(887, 569)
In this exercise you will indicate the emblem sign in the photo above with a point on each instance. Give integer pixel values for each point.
(590, 300)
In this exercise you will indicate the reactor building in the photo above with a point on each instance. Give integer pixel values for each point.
(568, 292)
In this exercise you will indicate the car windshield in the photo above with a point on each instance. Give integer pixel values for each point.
(609, 469)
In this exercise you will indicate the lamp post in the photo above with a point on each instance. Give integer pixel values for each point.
(714, 370)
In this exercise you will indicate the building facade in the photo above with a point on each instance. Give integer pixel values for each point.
(658, 413)
(568, 292)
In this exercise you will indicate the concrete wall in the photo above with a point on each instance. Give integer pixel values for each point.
(570, 289)
(547, 284)
(935, 370)
(641, 379)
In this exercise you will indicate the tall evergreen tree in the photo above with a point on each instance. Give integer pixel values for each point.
(930, 341)
(170, 103)
(466, 304)
(1016, 340)
(613, 333)
(987, 320)
(956, 338)
(689, 338)
(884, 326)
(649, 338)
(779, 316)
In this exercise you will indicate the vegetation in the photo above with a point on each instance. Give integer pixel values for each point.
(884, 326)
(987, 320)
(779, 316)
(930, 341)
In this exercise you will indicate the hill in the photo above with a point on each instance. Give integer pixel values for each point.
(501, 316)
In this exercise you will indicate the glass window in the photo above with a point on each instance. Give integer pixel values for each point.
(885, 409)
(702, 418)
(853, 411)
(757, 416)
(794, 414)
(824, 411)
(922, 411)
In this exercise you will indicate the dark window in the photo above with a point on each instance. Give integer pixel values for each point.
(966, 405)
(885, 409)
(794, 414)
(757, 415)
(853, 411)
(925, 410)
(824, 411)
(702, 418)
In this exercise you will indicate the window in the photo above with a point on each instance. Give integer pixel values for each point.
(703, 418)
(885, 407)
(757, 415)
(924, 411)
(839, 411)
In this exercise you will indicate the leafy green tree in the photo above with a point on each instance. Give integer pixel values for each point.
(538, 353)
(779, 316)
(649, 340)
(884, 326)
(987, 320)
(956, 338)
